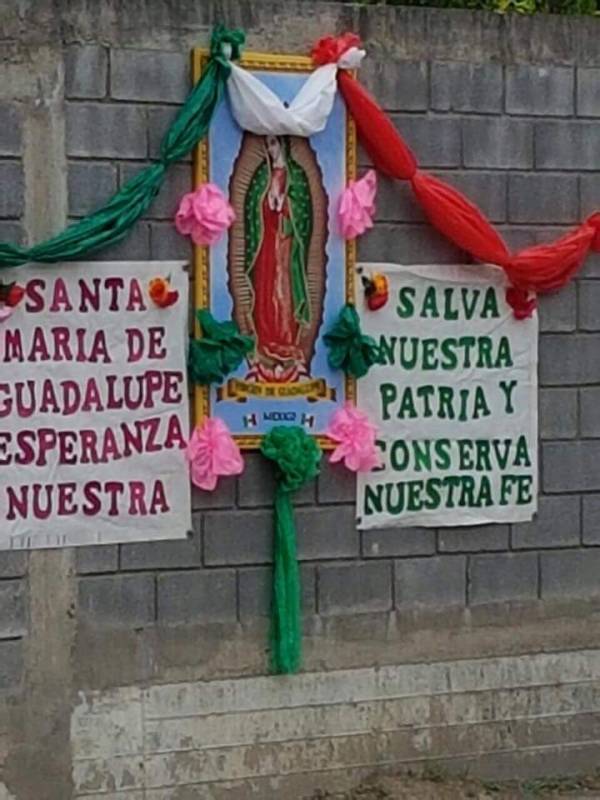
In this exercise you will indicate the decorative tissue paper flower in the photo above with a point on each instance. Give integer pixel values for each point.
(355, 436)
(161, 293)
(357, 206)
(212, 452)
(204, 214)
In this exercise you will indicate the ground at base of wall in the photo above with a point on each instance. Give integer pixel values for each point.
(439, 786)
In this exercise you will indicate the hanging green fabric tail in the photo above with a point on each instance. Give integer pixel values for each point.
(297, 458)
(111, 223)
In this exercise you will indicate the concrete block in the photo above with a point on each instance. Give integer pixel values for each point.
(161, 555)
(503, 577)
(518, 237)
(589, 305)
(327, 532)
(159, 120)
(588, 92)
(335, 484)
(11, 200)
(106, 130)
(396, 202)
(556, 524)
(558, 310)
(238, 537)
(90, 185)
(397, 85)
(486, 189)
(355, 588)
(86, 71)
(541, 90)
(11, 665)
(166, 243)
(558, 413)
(13, 563)
(256, 485)
(398, 542)
(434, 140)
(497, 143)
(178, 181)
(570, 573)
(431, 582)
(11, 232)
(591, 519)
(11, 131)
(543, 198)
(117, 600)
(97, 558)
(457, 86)
(255, 589)
(134, 247)
(407, 244)
(567, 145)
(222, 497)
(149, 75)
(567, 359)
(571, 466)
(197, 596)
(12, 609)
(589, 409)
(590, 194)
(473, 539)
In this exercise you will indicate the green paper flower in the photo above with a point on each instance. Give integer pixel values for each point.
(218, 352)
(349, 349)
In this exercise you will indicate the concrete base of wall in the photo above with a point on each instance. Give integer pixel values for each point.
(273, 737)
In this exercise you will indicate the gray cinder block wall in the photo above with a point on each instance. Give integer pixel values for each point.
(107, 653)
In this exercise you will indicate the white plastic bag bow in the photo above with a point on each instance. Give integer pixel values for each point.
(257, 109)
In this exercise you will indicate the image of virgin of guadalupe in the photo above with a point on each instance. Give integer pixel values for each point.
(278, 282)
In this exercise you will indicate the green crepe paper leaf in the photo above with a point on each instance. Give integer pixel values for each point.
(297, 458)
(349, 348)
(218, 352)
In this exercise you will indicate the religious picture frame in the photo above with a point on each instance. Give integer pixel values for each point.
(282, 271)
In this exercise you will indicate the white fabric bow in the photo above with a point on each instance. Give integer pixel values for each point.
(257, 109)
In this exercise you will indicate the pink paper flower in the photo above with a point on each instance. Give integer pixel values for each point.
(204, 214)
(355, 436)
(212, 452)
(357, 206)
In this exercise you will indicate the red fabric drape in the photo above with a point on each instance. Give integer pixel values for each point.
(458, 219)
(376, 132)
(540, 268)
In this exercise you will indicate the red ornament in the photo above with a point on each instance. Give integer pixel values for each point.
(161, 293)
(15, 294)
(377, 290)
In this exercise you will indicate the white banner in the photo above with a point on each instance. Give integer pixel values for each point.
(93, 407)
(455, 400)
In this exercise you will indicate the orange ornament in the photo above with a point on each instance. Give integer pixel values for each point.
(161, 293)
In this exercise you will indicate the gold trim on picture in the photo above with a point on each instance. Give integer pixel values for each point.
(275, 63)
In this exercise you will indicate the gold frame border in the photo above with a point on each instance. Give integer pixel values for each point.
(276, 63)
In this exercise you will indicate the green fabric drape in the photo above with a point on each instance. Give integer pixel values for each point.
(349, 348)
(297, 457)
(111, 223)
(219, 350)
